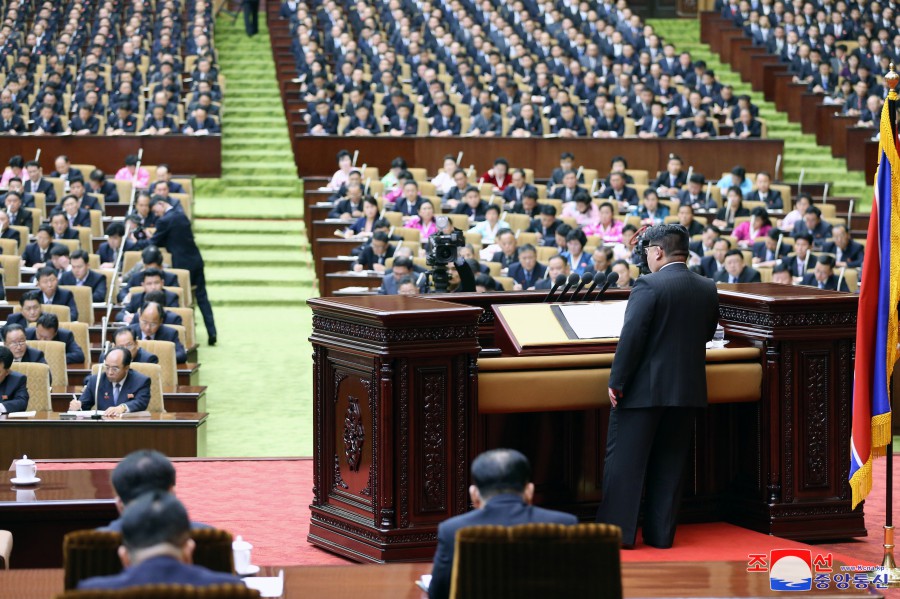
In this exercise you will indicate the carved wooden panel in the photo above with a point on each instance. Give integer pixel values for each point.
(815, 404)
(431, 413)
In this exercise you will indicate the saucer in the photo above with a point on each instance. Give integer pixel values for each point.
(250, 571)
(25, 481)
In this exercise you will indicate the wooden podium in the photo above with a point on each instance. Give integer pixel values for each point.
(398, 418)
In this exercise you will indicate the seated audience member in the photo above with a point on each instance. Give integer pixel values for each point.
(556, 265)
(18, 217)
(559, 238)
(396, 176)
(453, 196)
(13, 386)
(121, 390)
(18, 189)
(375, 254)
(579, 262)
(150, 326)
(472, 205)
(526, 124)
(714, 265)
(491, 226)
(514, 193)
(323, 120)
(546, 225)
(446, 123)
(487, 123)
(443, 181)
(601, 260)
(164, 175)
(813, 224)
(31, 310)
(501, 493)
(122, 122)
(657, 125)
(407, 287)
(5, 231)
(623, 269)
(467, 253)
(699, 127)
(401, 269)
(771, 249)
(152, 280)
(764, 193)
(823, 276)
(566, 164)
(527, 271)
(403, 124)
(509, 252)
(802, 259)
(737, 178)
(158, 122)
(157, 547)
(11, 123)
(757, 227)
(568, 189)
(140, 178)
(59, 260)
(781, 275)
(606, 227)
(529, 205)
(126, 340)
(746, 127)
(77, 216)
(650, 211)
(408, 203)
(159, 297)
(732, 208)
(736, 271)
(583, 210)
(626, 197)
(424, 221)
(151, 257)
(16, 340)
(703, 245)
(498, 176)
(47, 329)
(85, 123)
(569, 123)
(693, 195)
(201, 123)
(669, 183)
(686, 219)
(108, 250)
(801, 204)
(85, 201)
(610, 125)
(365, 224)
(342, 175)
(847, 252)
(362, 123)
(47, 123)
(350, 207)
(81, 274)
(48, 282)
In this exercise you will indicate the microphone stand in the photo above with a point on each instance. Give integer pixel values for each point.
(97, 415)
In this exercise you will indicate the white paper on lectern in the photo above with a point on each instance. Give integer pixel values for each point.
(30, 414)
(596, 320)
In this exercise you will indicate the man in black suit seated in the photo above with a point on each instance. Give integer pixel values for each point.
(121, 390)
(453, 196)
(375, 253)
(125, 339)
(349, 208)
(509, 252)
(47, 123)
(61, 229)
(322, 121)
(47, 329)
(771, 250)
(706, 242)
(472, 205)
(526, 124)
(150, 326)
(515, 191)
(747, 126)
(527, 271)
(152, 281)
(151, 257)
(81, 275)
(16, 186)
(566, 164)
(764, 193)
(5, 231)
(693, 195)
(823, 277)
(77, 216)
(669, 183)
(624, 196)
(713, 266)
(159, 297)
(686, 220)
(847, 252)
(447, 123)
(403, 124)
(51, 294)
(31, 310)
(501, 494)
(157, 547)
(610, 125)
(10, 122)
(657, 387)
(566, 192)
(487, 123)
(569, 124)
(13, 386)
(813, 224)
(18, 216)
(736, 271)
(409, 203)
(546, 225)
(556, 265)
(802, 259)
(99, 184)
(15, 338)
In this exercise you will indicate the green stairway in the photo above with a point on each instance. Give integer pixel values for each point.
(800, 149)
(258, 267)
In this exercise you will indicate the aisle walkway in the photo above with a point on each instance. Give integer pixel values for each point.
(249, 227)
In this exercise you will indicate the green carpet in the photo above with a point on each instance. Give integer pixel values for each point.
(800, 149)
(258, 267)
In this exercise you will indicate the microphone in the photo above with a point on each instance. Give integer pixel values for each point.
(586, 278)
(610, 280)
(559, 282)
(599, 279)
(573, 280)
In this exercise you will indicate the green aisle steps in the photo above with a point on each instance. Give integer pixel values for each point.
(800, 149)
(259, 270)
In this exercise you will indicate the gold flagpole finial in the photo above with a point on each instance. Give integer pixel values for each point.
(891, 78)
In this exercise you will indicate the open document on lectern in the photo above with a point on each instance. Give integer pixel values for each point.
(601, 320)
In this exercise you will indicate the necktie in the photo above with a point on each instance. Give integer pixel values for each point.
(148, 337)
(731, 279)
(821, 285)
(116, 388)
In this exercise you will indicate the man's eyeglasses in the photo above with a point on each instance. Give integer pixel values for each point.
(647, 248)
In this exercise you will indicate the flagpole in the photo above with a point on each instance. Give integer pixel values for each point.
(888, 566)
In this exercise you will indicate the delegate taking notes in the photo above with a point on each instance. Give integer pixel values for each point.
(595, 320)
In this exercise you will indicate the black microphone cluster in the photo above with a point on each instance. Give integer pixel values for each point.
(599, 279)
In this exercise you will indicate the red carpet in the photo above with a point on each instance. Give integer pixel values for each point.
(267, 502)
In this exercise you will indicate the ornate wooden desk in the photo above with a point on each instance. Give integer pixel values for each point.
(398, 418)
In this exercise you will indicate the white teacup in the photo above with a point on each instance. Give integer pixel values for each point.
(26, 469)
(241, 550)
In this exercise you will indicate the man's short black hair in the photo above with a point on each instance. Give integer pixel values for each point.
(34, 295)
(735, 252)
(500, 471)
(125, 331)
(673, 239)
(116, 229)
(403, 262)
(826, 260)
(567, 156)
(152, 255)
(380, 236)
(98, 175)
(46, 271)
(780, 267)
(6, 357)
(11, 328)
(804, 236)
(775, 233)
(140, 472)
(59, 250)
(814, 210)
(155, 518)
(548, 209)
(151, 272)
(48, 321)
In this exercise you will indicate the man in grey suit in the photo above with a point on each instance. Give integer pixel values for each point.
(656, 387)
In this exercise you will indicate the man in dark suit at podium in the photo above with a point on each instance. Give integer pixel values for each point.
(656, 386)
(501, 492)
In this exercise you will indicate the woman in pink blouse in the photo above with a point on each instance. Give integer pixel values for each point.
(583, 210)
(757, 227)
(424, 222)
(609, 229)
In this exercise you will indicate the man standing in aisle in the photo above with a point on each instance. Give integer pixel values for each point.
(656, 387)
(173, 232)
(251, 16)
